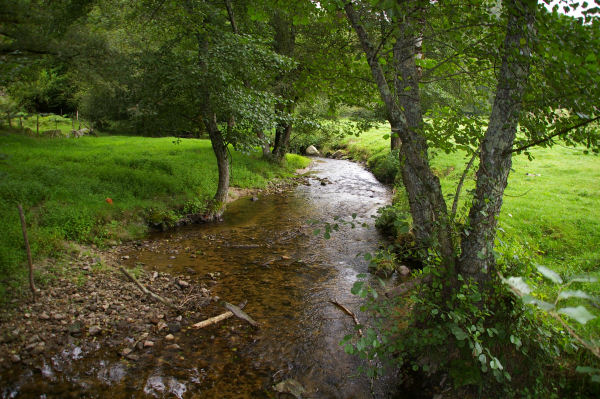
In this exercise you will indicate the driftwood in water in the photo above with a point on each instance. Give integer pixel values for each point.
(146, 290)
(348, 312)
(221, 317)
(237, 312)
(28, 249)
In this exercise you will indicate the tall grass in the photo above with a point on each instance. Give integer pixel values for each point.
(64, 185)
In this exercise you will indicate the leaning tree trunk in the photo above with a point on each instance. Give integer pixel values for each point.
(220, 149)
(427, 205)
(477, 256)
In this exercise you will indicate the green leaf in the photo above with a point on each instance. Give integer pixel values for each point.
(586, 370)
(357, 287)
(549, 274)
(495, 364)
(349, 349)
(518, 284)
(575, 294)
(583, 278)
(458, 332)
(580, 314)
(529, 300)
(317, 232)
(591, 58)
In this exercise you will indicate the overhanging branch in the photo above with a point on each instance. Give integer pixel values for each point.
(550, 137)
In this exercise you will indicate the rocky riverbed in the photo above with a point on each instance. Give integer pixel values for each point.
(85, 304)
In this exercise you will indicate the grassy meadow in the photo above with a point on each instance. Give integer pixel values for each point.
(64, 185)
(550, 214)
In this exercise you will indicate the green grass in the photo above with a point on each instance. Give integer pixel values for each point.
(63, 185)
(550, 214)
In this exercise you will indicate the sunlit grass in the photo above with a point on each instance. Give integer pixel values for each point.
(551, 208)
(64, 184)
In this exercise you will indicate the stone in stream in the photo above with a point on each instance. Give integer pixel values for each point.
(291, 387)
(312, 150)
(174, 327)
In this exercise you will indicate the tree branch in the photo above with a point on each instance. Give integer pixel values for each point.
(460, 184)
(547, 138)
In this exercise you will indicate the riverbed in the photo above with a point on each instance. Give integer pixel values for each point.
(266, 253)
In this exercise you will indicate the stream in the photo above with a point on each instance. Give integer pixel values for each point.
(265, 253)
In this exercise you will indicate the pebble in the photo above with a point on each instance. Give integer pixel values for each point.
(39, 348)
(44, 316)
(125, 257)
(148, 344)
(169, 337)
(183, 283)
(15, 358)
(161, 325)
(173, 347)
(94, 330)
(403, 270)
(174, 327)
(126, 351)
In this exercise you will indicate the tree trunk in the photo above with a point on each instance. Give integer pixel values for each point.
(221, 153)
(427, 206)
(477, 255)
(282, 139)
(264, 143)
(284, 44)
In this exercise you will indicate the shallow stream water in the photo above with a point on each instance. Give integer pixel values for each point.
(265, 253)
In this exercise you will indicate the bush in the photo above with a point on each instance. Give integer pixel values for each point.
(385, 166)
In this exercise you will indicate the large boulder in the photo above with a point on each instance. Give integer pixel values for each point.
(312, 150)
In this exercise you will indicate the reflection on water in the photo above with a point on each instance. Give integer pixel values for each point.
(264, 252)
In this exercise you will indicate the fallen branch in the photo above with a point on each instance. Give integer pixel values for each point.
(146, 290)
(409, 285)
(349, 312)
(28, 249)
(239, 313)
(216, 319)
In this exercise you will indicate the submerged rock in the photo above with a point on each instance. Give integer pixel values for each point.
(291, 387)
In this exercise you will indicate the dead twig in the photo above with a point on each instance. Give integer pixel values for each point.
(216, 319)
(239, 313)
(348, 312)
(28, 249)
(146, 290)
